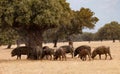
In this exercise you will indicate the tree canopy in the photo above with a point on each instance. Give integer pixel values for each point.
(84, 18)
(33, 16)
(110, 31)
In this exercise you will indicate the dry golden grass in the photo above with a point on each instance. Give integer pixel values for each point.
(9, 65)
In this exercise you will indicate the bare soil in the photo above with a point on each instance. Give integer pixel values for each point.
(9, 65)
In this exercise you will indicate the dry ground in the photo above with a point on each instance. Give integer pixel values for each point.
(9, 65)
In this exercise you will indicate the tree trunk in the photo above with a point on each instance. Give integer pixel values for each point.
(9, 46)
(35, 41)
(18, 43)
(55, 42)
(113, 40)
(89, 41)
(70, 43)
(101, 40)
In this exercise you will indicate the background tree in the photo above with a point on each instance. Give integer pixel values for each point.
(110, 31)
(55, 35)
(8, 37)
(101, 34)
(86, 36)
(84, 18)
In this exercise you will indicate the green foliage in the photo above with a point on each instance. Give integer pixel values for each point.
(42, 14)
(86, 36)
(54, 34)
(33, 17)
(78, 20)
(109, 31)
(84, 18)
(8, 36)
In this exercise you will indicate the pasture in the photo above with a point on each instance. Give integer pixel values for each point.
(9, 65)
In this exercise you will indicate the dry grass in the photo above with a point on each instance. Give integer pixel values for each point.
(9, 65)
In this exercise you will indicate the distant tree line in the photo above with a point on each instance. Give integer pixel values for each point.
(110, 31)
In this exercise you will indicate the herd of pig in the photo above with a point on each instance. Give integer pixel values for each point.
(83, 52)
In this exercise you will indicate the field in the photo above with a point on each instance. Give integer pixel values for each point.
(9, 65)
